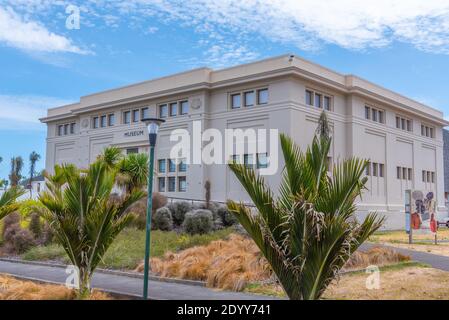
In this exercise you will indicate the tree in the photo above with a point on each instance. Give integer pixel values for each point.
(133, 172)
(16, 171)
(310, 230)
(111, 156)
(84, 220)
(8, 200)
(34, 158)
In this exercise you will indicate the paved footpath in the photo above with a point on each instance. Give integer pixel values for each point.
(121, 284)
(436, 261)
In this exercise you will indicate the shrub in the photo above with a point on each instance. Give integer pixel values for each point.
(227, 217)
(179, 210)
(198, 222)
(163, 219)
(47, 235)
(140, 210)
(9, 220)
(35, 225)
(18, 240)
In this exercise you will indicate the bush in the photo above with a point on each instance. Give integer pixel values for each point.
(35, 225)
(140, 210)
(227, 217)
(18, 240)
(47, 235)
(163, 219)
(179, 210)
(9, 220)
(198, 222)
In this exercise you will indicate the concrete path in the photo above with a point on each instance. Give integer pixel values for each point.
(436, 261)
(120, 284)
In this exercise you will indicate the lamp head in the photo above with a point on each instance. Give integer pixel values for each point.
(153, 125)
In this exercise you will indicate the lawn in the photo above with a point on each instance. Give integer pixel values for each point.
(421, 242)
(403, 281)
(127, 250)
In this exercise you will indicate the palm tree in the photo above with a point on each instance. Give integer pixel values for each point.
(83, 219)
(309, 231)
(34, 158)
(16, 171)
(133, 172)
(111, 156)
(8, 202)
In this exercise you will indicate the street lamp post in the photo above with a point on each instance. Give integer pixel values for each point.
(153, 128)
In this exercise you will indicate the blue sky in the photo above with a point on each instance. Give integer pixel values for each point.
(402, 45)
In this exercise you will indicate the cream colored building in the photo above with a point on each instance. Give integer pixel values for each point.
(401, 137)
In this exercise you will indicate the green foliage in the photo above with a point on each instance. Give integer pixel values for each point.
(16, 171)
(198, 222)
(227, 217)
(133, 172)
(35, 225)
(163, 219)
(111, 157)
(8, 201)
(84, 220)
(27, 207)
(179, 210)
(309, 232)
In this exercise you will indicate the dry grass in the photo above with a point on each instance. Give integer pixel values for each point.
(421, 242)
(410, 283)
(225, 264)
(378, 256)
(14, 289)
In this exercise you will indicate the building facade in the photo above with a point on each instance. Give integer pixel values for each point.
(402, 138)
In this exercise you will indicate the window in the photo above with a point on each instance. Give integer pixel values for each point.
(428, 176)
(173, 109)
(375, 172)
(262, 96)
(235, 159)
(66, 129)
(127, 117)
(424, 176)
(60, 130)
(161, 166)
(136, 115)
(171, 165)
(367, 113)
(72, 128)
(248, 160)
(171, 184)
(184, 107)
(318, 100)
(236, 101)
(145, 113)
(163, 111)
(433, 177)
(368, 169)
(404, 173)
(398, 172)
(410, 174)
(95, 123)
(182, 166)
(374, 114)
(182, 184)
(327, 103)
(309, 97)
(262, 161)
(111, 120)
(161, 183)
(103, 121)
(381, 170)
(132, 150)
(403, 124)
(249, 98)
(427, 131)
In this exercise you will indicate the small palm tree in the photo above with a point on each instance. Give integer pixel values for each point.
(309, 232)
(34, 158)
(133, 172)
(8, 200)
(111, 156)
(83, 218)
(16, 171)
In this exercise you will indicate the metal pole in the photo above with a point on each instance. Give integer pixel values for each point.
(148, 225)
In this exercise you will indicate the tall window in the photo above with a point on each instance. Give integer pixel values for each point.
(103, 121)
(161, 182)
(111, 120)
(248, 160)
(163, 111)
(249, 98)
(161, 166)
(145, 113)
(136, 114)
(72, 128)
(184, 107)
(95, 122)
(262, 96)
(182, 184)
(262, 161)
(427, 131)
(171, 184)
(236, 101)
(127, 117)
(171, 165)
(309, 97)
(327, 103)
(182, 167)
(374, 114)
(173, 109)
(318, 100)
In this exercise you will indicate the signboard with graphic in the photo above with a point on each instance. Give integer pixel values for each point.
(420, 212)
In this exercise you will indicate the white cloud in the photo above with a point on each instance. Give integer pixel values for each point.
(23, 112)
(31, 36)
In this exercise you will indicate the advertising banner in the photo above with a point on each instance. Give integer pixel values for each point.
(420, 212)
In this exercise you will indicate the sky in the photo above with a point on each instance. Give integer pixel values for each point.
(48, 59)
